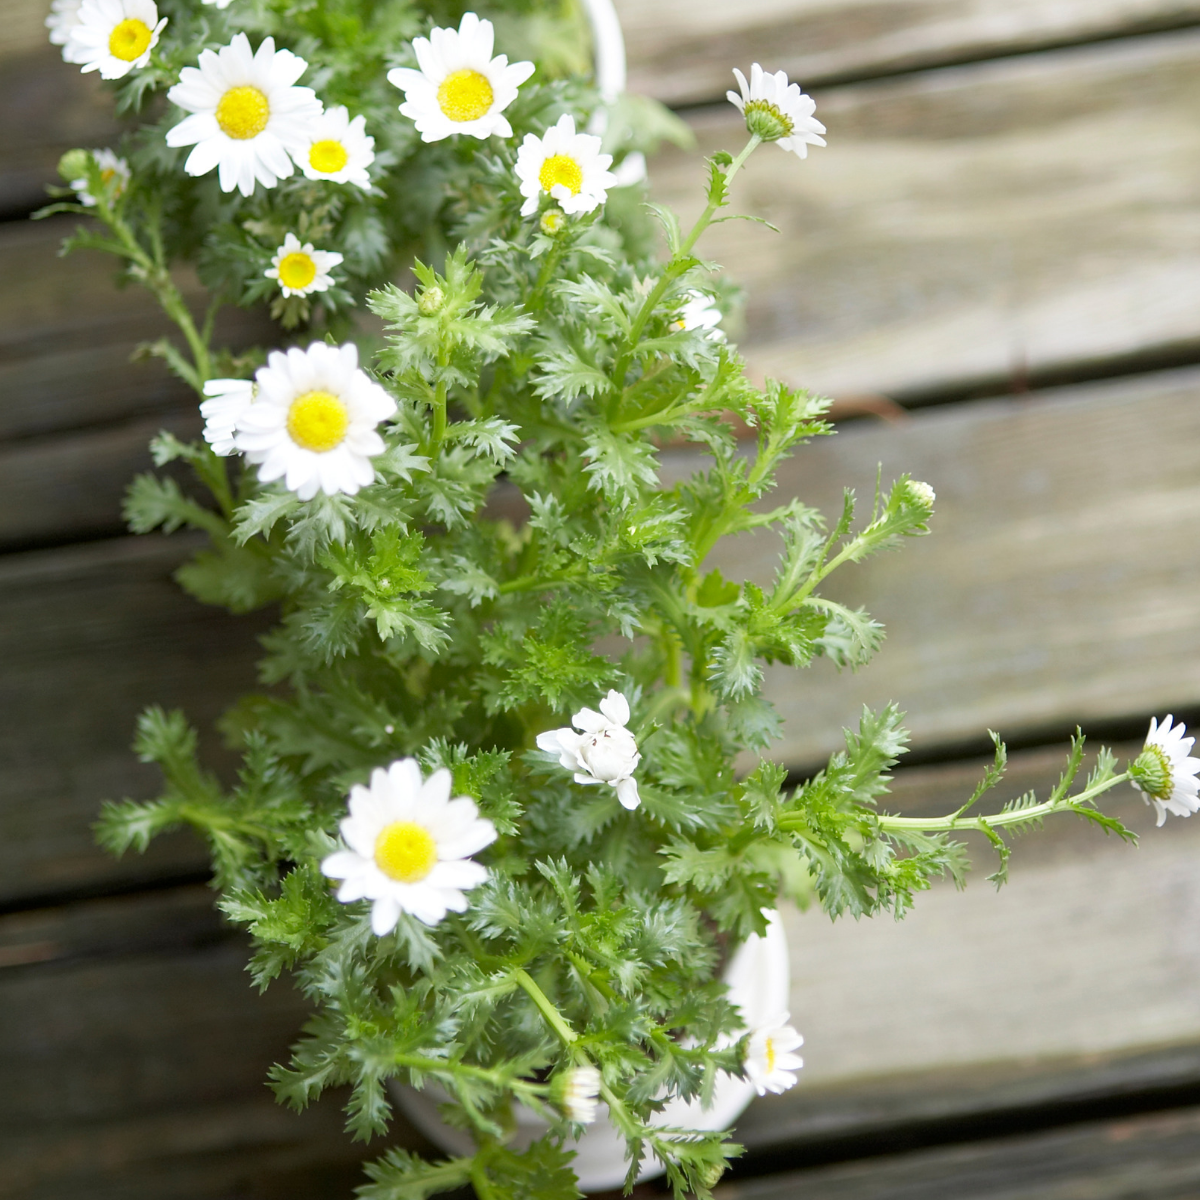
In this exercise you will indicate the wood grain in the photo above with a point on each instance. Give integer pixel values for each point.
(88, 637)
(1154, 1157)
(1059, 585)
(971, 228)
(135, 1056)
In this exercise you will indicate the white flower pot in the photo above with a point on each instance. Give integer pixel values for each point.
(758, 981)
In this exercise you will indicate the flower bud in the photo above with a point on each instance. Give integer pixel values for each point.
(921, 493)
(431, 301)
(74, 164)
(552, 222)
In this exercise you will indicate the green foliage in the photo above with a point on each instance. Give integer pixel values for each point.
(517, 553)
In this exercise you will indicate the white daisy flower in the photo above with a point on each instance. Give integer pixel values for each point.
(604, 752)
(338, 149)
(313, 421)
(409, 846)
(62, 23)
(300, 269)
(778, 111)
(1164, 773)
(460, 87)
(228, 399)
(770, 1064)
(248, 119)
(114, 36)
(579, 1094)
(700, 311)
(114, 174)
(566, 165)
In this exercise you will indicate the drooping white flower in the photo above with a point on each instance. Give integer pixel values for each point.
(460, 87)
(580, 1094)
(338, 149)
(114, 174)
(228, 399)
(566, 165)
(1164, 772)
(700, 311)
(603, 752)
(313, 421)
(62, 23)
(248, 119)
(778, 111)
(300, 269)
(770, 1064)
(409, 846)
(114, 36)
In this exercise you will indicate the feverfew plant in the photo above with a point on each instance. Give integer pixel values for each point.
(507, 802)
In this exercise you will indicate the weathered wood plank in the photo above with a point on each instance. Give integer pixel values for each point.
(135, 1055)
(970, 228)
(683, 52)
(88, 637)
(1059, 584)
(1154, 1157)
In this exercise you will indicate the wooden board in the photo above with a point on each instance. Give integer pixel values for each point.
(1060, 583)
(969, 228)
(1155, 1157)
(135, 1056)
(89, 636)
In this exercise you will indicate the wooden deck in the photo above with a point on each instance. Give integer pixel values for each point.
(1003, 236)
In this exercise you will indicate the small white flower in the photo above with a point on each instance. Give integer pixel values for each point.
(313, 421)
(114, 174)
(460, 87)
(604, 752)
(114, 36)
(580, 1094)
(700, 311)
(1164, 773)
(778, 111)
(300, 269)
(338, 149)
(409, 846)
(62, 23)
(770, 1064)
(219, 3)
(228, 399)
(566, 165)
(248, 119)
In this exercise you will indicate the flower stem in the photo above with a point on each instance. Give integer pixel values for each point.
(680, 261)
(553, 1017)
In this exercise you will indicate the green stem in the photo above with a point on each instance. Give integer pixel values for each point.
(553, 1017)
(679, 262)
(439, 1066)
(954, 822)
(549, 263)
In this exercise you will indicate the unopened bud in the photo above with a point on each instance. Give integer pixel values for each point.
(74, 165)
(577, 1092)
(552, 221)
(431, 301)
(921, 493)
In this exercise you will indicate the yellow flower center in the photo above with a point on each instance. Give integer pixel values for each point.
(317, 421)
(129, 39)
(327, 156)
(770, 1055)
(465, 95)
(297, 270)
(405, 851)
(561, 168)
(243, 112)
